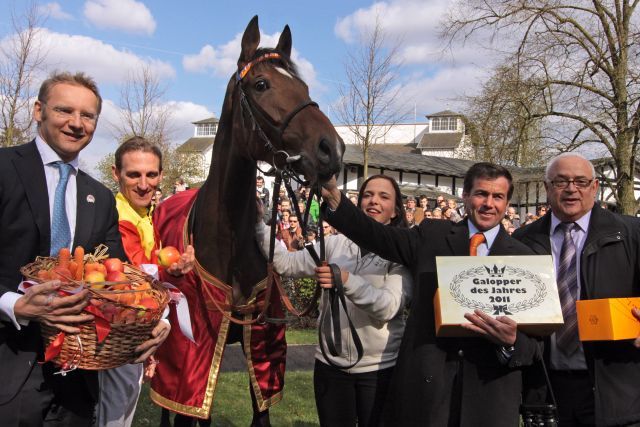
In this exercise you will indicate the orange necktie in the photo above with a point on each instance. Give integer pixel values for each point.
(476, 240)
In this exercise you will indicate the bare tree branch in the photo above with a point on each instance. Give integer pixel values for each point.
(584, 58)
(371, 96)
(21, 57)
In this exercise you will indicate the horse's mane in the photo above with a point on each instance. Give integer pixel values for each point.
(286, 62)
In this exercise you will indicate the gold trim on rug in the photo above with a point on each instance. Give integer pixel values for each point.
(263, 404)
(207, 403)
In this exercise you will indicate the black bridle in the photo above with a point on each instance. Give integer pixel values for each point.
(260, 118)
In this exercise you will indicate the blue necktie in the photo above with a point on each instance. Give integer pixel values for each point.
(567, 278)
(60, 231)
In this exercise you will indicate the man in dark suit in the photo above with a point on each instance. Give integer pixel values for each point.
(47, 203)
(596, 253)
(449, 381)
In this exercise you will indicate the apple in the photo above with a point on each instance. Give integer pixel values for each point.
(149, 303)
(113, 264)
(96, 278)
(167, 256)
(116, 276)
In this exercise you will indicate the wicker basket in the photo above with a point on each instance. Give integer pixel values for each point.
(131, 325)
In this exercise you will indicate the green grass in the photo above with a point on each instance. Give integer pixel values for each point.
(232, 403)
(302, 336)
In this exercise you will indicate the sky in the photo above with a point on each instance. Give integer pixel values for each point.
(193, 47)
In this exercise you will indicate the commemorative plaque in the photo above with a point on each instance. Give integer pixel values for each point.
(521, 287)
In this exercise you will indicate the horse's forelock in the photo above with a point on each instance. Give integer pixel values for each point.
(287, 63)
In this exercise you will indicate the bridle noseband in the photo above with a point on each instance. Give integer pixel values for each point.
(258, 115)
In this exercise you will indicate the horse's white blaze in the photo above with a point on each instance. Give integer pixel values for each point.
(285, 72)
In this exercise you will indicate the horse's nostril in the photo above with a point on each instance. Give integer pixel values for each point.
(324, 151)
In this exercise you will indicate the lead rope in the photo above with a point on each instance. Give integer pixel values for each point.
(329, 327)
(330, 317)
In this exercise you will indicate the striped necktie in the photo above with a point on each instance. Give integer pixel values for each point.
(567, 278)
(60, 231)
(476, 240)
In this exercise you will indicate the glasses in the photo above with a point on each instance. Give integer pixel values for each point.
(66, 113)
(578, 182)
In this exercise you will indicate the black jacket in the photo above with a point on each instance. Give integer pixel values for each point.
(25, 234)
(425, 373)
(609, 268)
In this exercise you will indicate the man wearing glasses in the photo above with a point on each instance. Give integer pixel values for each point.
(596, 256)
(47, 203)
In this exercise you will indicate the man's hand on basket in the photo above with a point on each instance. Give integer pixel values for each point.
(42, 303)
(185, 263)
(149, 347)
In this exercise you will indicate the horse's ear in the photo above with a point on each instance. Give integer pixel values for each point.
(284, 44)
(250, 41)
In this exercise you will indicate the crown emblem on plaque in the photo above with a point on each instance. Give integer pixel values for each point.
(495, 271)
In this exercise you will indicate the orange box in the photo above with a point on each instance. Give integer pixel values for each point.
(607, 319)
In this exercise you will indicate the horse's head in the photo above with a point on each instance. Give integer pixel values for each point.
(290, 130)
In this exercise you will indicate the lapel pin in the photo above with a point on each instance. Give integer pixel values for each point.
(91, 199)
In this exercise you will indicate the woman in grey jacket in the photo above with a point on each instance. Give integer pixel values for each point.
(377, 292)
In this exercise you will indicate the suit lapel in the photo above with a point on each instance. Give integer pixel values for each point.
(502, 245)
(540, 241)
(30, 170)
(85, 212)
(458, 238)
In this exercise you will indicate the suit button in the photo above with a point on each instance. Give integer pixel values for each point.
(429, 378)
(460, 353)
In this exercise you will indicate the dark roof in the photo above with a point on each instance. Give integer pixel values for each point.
(408, 162)
(445, 113)
(205, 121)
(396, 148)
(440, 140)
(196, 145)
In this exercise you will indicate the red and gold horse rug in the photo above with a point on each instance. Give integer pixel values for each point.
(186, 377)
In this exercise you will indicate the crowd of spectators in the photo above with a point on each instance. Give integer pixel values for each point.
(416, 210)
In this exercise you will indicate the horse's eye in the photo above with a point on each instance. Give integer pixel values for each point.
(261, 85)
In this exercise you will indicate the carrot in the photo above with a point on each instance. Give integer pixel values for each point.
(78, 257)
(73, 268)
(44, 275)
(63, 257)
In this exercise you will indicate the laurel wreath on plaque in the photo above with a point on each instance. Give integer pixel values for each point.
(537, 298)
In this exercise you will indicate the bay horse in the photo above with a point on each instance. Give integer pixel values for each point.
(267, 115)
